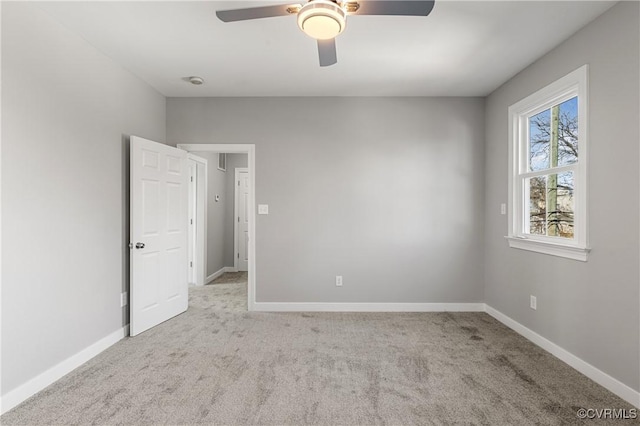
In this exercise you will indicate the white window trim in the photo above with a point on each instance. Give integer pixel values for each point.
(573, 84)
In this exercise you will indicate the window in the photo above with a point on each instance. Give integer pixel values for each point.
(547, 165)
(222, 162)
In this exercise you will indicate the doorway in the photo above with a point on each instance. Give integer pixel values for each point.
(243, 249)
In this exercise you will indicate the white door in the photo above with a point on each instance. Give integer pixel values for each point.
(158, 213)
(242, 219)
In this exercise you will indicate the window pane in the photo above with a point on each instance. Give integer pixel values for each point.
(560, 205)
(551, 205)
(553, 136)
(537, 187)
(568, 132)
(539, 137)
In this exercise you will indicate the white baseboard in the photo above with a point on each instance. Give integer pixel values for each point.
(367, 307)
(215, 275)
(219, 272)
(38, 383)
(600, 377)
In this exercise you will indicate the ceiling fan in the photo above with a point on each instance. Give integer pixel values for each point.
(324, 20)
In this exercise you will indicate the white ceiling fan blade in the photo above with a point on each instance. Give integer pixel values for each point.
(327, 52)
(256, 12)
(395, 7)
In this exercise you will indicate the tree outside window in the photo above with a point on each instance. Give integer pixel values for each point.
(553, 142)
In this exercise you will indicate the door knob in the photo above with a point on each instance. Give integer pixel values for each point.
(139, 245)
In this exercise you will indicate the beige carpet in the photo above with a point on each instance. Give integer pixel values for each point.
(218, 364)
(231, 278)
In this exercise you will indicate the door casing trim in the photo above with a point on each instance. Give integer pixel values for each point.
(236, 212)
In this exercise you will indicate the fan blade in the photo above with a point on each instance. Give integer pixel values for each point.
(256, 12)
(395, 7)
(327, 52)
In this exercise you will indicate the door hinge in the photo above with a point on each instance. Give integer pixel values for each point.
(191, 264)
(238, 255)
(238, 183)
(238, 219)
(191, 221)
(191, 178)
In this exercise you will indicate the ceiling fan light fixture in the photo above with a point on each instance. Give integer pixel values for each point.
(322, 19)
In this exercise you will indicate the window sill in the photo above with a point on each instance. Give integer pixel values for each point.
(575, 253)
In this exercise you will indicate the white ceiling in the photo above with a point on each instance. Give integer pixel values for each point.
(460, 49)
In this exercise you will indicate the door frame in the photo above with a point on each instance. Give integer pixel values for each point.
(250, 150)
(200, 218)
(236, 211)
(192, 263)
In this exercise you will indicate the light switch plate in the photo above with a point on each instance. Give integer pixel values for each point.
(123, 299)
(263, 208)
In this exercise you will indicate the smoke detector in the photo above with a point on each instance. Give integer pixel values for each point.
(196, 81)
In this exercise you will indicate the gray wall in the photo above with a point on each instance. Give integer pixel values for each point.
(387, 192)
(233, 161)
(216, 184)
(590, 309)
(67, 111)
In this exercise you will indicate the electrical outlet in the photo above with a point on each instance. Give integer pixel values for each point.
(338, 280)
(503, 208)
(533, 302)
(123, 299)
